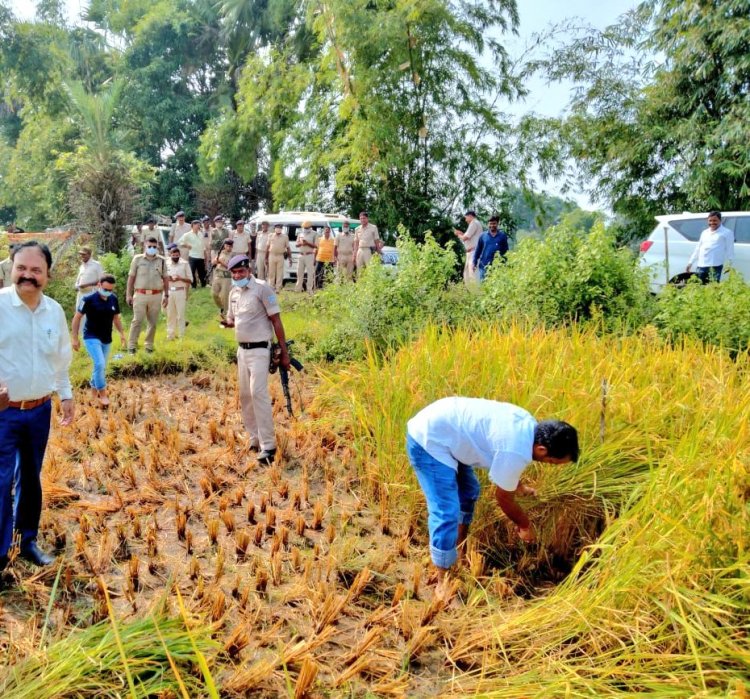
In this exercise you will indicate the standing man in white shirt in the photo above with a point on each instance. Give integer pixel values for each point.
(715, 249)
(89, 274)
(451, 436)
(178, 229)
(469, 239)
(35, 355)
(194, 242)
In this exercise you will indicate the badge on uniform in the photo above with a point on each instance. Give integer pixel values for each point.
(272, 298)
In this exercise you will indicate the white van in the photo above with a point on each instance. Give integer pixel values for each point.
(667, 250)
(291, 221)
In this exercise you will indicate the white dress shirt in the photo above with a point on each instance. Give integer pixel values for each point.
(89, 274)
(714, 248)
(477, 432)
(35, 351)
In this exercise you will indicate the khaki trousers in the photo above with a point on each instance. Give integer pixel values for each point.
(363, 257)
(220, 288)
(176, 313)
(470, 276)
(255, 400)
(276, 270)
(345, 266)
(305, 264)
(260, 265)
(145, 307)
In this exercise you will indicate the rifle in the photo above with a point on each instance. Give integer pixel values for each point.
(284, 373)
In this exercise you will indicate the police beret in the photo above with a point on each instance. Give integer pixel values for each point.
(195, 221)
(227, 241)
(240, 223)
(173, 246)
(180, 213)
(205, 218)
(218, 218)
(238, 261)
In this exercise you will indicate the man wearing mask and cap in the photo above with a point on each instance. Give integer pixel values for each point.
(470, 240)
(101, 310)
(261, 251)
(240, 239)
(343, 252)
(366, 241)
(255, 315)
(89, 273)
(222, 281)
(278, 248)
(147, 293)
(180, 278)
(178, 229)
(306, 247)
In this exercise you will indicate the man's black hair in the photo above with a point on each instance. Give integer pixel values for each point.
(558, 437)
(714, 213)
(151, 239)
(33, 244)
(107, 278)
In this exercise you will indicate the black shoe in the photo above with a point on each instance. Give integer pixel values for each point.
(35, 555)
(266, 457)
(132, 351)
(150, 350)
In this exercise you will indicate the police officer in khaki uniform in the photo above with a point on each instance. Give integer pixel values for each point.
(180, 277)
(470, 239)
(255, 315)
(366, 241)
(278, 246)
(241, 239)
(261, 251)
(178, 229)
(306, 247)
(222, 281)
(148, 291)
(343, 252)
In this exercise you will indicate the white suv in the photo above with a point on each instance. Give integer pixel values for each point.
(667, 250)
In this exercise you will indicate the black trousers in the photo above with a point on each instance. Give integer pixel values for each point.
(322, 271)
(198, 270)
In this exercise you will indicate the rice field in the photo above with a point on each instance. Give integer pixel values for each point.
(187, 570)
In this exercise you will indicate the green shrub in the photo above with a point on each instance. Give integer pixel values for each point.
(119, 266)
(717, 314)
(570, 276)
(387, 307)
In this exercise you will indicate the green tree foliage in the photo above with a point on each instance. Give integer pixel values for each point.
(661, 120)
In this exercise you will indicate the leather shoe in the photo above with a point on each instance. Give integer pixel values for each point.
(35, 555)
(266, 457)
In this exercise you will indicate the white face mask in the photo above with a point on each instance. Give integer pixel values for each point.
(151, 251)
(241, 282)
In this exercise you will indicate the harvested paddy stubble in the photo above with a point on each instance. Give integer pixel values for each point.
(658, 603)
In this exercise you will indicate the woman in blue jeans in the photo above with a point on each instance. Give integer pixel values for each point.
(101, 311)
(450, 437)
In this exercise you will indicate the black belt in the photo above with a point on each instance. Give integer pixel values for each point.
(255, 345)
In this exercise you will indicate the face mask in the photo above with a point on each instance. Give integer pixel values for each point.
(104, 293)
(241, 282)
(151, 251)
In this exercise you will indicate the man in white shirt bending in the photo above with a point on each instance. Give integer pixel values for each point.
(35, 354)
(715, 249)
(451, 436)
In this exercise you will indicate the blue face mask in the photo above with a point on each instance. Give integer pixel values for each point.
(151, 251)
(241, 282)
(104, 293)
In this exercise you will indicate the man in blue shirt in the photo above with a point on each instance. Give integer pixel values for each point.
(101, 310)
(491, 242)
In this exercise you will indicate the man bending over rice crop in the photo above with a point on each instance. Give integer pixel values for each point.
(448, 438)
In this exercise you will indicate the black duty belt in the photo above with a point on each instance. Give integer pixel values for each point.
(255, 345)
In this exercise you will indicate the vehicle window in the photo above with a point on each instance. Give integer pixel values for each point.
(742, 230)
(690, 228)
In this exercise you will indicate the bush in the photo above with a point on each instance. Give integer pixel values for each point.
(570, 276)
(386, 308)
(718, 314)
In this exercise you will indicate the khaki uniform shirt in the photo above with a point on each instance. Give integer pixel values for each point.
(149, 273)
(88, 274)
(261, 242)
(249, 310)
(367, 235)
(224, 258)
(308, 236)
(344, 243)
(196, 242)
(177, 269)
(241, 242)
(176, 231)
(277, 244)
(6, 266)
(472, 235)
(149, 233)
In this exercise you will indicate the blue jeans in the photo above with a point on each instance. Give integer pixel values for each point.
(23, 441)
(99, 353)
(451, 496)
(709, 274)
